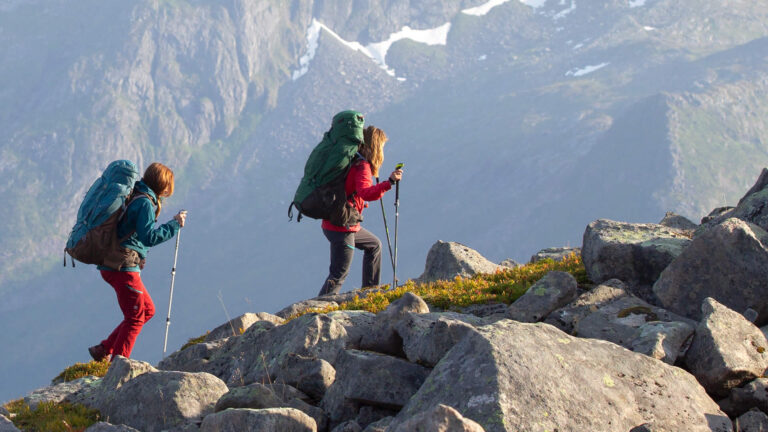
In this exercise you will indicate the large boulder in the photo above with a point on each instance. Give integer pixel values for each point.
(555, 290)
(727, 350)
(258, 354)
(428, 337)
(312, 376)
(262, 420)
(305, 306)
(239, 325)
(382, 336)
(108, 427)
(664, 341)
(567, 317)
(751, 207)
(676, 221)
(743, 399)
(59, 392)
(446, 260)
(634, 253)
(555, 253)
(728, 262)
(752, 421)
(164, 400)
(533, 377)
(193, 358)
(439, 419)
(356, 323)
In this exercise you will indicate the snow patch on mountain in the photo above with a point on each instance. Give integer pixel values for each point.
(376, 51)
(636, 3)
(586, 70)
(562, 14)
(484, 8)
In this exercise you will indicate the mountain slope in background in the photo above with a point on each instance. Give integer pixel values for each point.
(518, 123)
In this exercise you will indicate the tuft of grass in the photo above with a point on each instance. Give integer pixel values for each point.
(51, 417)
(194, 341)
(503, 286)
(79, 370)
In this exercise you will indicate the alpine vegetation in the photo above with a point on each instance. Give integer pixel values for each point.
(641, 336)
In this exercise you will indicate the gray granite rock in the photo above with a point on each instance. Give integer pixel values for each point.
(239, 325)
(752, 395)
(446, 260)
(262, 420)
(676, 221)
(555, 290)
(108, 427)
(752, 421)
(440, 418)
(6, 425)
(428, 337)
(382, 337)
(665, 341)
(554, 253)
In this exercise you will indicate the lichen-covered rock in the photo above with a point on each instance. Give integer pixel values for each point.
(239, 325)
(555, 253)
(383, 338)
(312, 376)
(567, 317)
(262, 420)
(428, 337)
(258, 353)
(156, 401)
(356, 323)
(633, 253)
(379, 426)
(7, 425)
(727, 350)
(676, 221)
(57, 393)
(441, 418)
(192, 358)
(446, 260)
(664, 341)
(348, 426)
(377, 379)
(753, 395)
(752, 421)
(555, 290)
(728, 262)
(108, 427)
(498, 377)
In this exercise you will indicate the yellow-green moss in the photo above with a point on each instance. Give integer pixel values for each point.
(51, 417)
(194, 341)
(79, 370)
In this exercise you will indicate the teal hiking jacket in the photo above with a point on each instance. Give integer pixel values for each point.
(140, 216)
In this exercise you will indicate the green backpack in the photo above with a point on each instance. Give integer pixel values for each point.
(321, 194)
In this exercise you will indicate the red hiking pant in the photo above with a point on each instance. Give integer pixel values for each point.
(137, 307)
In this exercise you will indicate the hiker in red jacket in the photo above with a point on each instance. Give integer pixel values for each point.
(344, 240)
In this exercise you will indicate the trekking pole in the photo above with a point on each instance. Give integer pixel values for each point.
(170, 299)
(386, 230)
(397, 214)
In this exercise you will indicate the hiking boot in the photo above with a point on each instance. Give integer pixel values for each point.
(98, 352)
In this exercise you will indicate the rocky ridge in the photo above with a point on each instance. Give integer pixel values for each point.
(561, 357)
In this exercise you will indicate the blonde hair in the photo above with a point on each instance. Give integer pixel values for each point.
(159, 178)
(372, 147)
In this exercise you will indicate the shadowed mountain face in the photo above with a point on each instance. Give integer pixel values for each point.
(518, 125)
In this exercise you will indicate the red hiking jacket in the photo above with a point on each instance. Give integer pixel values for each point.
(360, 181)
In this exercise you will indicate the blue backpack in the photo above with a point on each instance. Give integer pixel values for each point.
(93, 239)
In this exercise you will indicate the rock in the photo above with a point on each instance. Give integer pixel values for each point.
(676, 221)
(760, 184)
(620, 321)
(122, 370)
(262, 420)
(567, 317)
(446, 260)
(752, 421)
(727, 350)
(371, 414)
(162, 400)
(338, 408)
(440, 418)
(257, 354)
(304, 306)
(633, 253)
(240, 324)
(383, 338)
(108, 427)
(664, 341)
(379, 426)
(510, 263)
(498, 377)
(489, 311)
(57, 393)
(311, 375)
(7, 425)
(727, 262)
(750, 315)
(750, 209)
(356, 323)
(4, 411)
(193, 358)
(427, 337)
(555, 253)
(348, 426)
(555, 290)
(741, 400)
(720, 213)
(377, 379)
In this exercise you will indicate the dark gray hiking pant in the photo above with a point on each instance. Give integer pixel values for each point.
(343, 246)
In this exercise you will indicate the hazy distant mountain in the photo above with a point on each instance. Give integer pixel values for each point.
(519, 122)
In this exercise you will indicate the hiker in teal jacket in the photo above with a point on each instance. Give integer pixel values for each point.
(138, 225)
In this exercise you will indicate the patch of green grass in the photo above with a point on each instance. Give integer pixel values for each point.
(51, 417)
(79, 370)
(194, 341)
